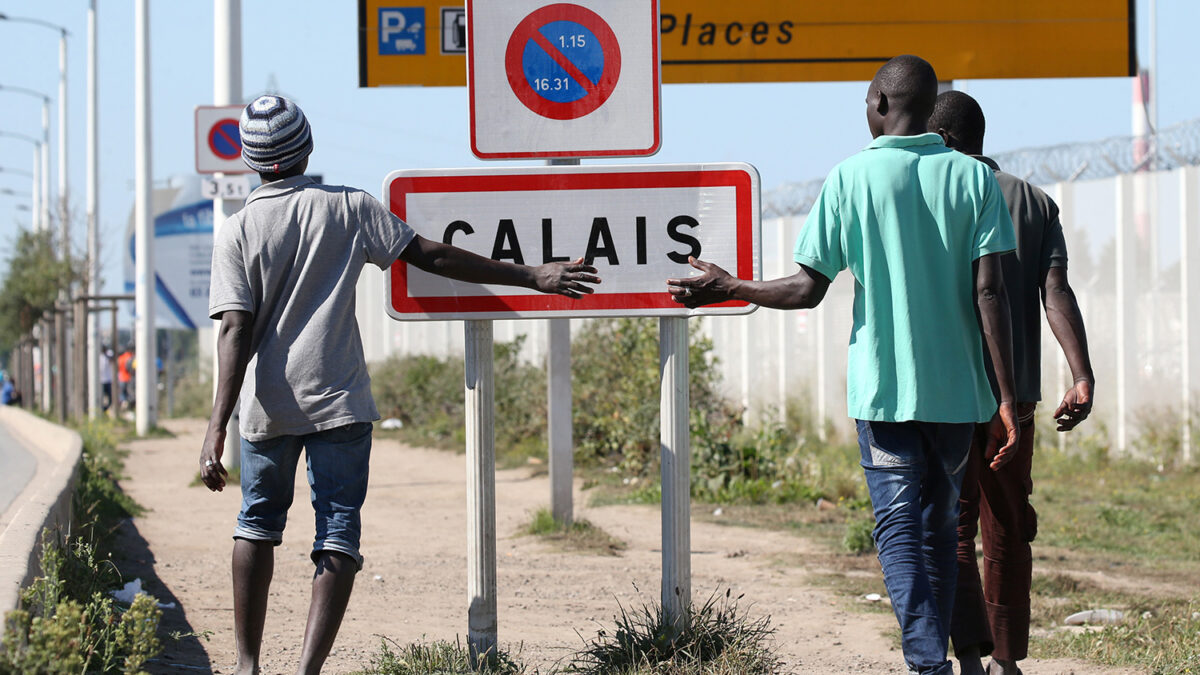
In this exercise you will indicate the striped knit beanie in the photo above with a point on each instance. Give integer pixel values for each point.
(275, 134)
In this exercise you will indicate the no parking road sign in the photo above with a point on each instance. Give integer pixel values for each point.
(636, 224)
(218, 142)
(563, 79)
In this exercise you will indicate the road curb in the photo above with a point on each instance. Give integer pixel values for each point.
(45, 502)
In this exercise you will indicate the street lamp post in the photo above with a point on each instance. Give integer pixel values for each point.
(38, 173)
(44, 213)
(62, 124)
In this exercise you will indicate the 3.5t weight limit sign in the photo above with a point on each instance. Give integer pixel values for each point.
(563, 61)
(563, 79)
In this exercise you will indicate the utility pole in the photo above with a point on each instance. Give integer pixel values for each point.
(93, 237)
(145, 338)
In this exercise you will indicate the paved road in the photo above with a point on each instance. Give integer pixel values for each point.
(17, 466)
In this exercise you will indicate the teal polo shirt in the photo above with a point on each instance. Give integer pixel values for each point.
(908, 217)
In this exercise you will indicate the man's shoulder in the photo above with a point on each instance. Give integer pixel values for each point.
(1015, 188)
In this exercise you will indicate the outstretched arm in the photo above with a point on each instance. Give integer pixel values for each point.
(567, 279)
(803, 290)
(233, 354)
(1065, 319)
(995, 322)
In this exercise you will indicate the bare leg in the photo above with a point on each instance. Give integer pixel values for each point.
(253, 565)
(332, 583)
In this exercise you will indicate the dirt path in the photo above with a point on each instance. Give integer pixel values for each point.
(413, 585)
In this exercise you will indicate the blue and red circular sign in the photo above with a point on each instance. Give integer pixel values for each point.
(225, 140)
(563, 61)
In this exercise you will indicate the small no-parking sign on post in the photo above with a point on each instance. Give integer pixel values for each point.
(218, 141)
(563, 79)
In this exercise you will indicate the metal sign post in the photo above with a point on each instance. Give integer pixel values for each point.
(559, 406)
(675, 439)
(481, 490)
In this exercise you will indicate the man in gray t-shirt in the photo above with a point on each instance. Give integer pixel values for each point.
(992, 616)
(284, 273)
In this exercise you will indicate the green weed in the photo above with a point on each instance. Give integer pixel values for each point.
(436, 658)
(715, 638)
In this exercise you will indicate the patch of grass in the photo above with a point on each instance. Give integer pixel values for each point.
(1134, 510)
(1160, 634)
(581, 536)
(716, 638)
(436, 658)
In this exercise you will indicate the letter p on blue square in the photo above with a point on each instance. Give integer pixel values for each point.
(401, 30)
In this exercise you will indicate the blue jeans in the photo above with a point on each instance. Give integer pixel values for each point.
(337, 462)
(914, 472)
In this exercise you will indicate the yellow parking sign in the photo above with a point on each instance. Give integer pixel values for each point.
(412, 42)
(423, 42)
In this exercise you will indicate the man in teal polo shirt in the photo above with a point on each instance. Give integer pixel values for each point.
(922, 231)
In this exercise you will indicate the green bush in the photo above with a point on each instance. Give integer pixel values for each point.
(67, 623)
(859, 537)
(615, 373)
(615, 368)
(426, 394)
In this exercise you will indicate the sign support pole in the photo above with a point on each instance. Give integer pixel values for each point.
(227, 90)
(676, 473)
(481, 490)
(559, 406)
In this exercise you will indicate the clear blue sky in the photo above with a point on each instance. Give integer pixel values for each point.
(791, 132)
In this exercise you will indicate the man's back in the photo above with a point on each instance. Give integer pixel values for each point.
(1040, 246)
(908, 217)
(292, 258)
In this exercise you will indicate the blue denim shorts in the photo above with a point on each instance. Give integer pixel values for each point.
(337, 461)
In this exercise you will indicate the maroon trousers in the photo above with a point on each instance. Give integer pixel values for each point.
(994, 614)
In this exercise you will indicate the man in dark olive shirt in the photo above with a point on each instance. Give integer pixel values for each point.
(993, 617)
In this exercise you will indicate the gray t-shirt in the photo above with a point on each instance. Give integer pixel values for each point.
(292, 257)
(1040, 246)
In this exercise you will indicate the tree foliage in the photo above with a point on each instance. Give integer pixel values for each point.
(35, 273)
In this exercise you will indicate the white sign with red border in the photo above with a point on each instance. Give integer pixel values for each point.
(218, 142)
(563, 79)
(637, 225)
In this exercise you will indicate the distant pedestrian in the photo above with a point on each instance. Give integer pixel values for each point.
(125, 374)
(922, 229)
(9, 395)
(992, 616)
(106, 378)
(284, 273)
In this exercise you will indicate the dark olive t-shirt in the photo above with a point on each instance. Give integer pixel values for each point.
(1040, 246)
